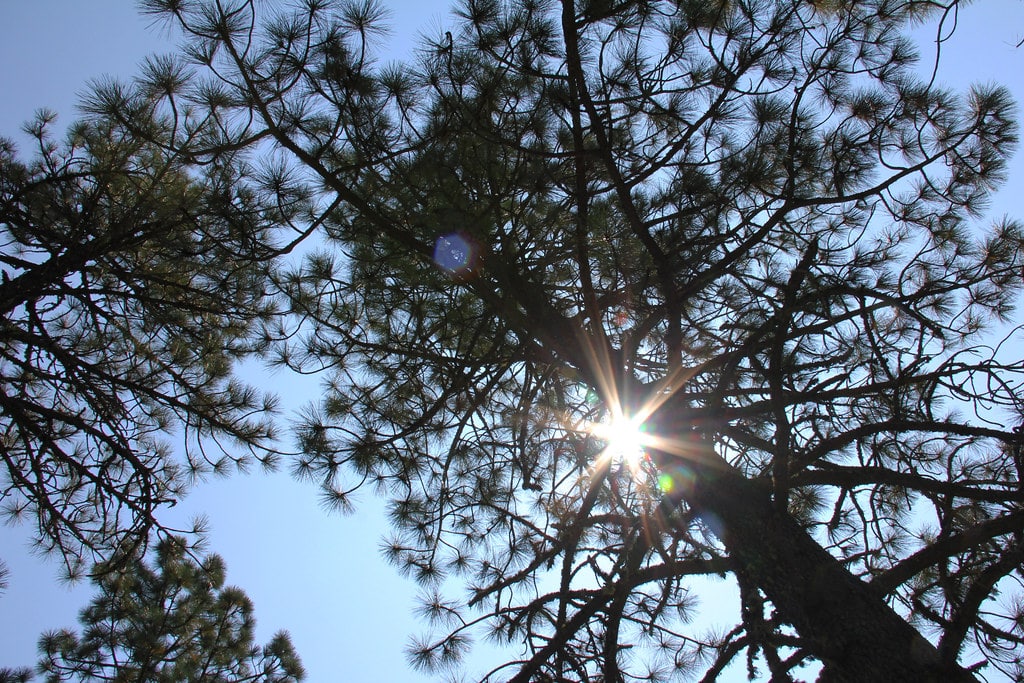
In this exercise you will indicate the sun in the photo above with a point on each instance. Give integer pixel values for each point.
(625, 438)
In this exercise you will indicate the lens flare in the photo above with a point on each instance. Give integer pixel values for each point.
(676, 480)
(455, 253)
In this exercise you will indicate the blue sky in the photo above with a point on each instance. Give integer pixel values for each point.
(320, 576)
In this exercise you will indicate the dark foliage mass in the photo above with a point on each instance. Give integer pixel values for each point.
(131, 286)
(749, 225)
(172, 621)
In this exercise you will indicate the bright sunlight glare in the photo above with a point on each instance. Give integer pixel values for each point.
(625, 438)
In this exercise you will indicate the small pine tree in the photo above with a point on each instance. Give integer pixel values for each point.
(175, 621)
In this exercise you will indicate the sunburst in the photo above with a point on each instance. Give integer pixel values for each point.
(629, 409)
(625, 438)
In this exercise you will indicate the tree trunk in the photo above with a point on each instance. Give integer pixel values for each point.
(845, 623)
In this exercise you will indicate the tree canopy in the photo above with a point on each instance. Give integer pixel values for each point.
(750, 227)
(132, 285)
(173, 621)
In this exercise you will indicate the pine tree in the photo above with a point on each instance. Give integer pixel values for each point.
(747, 226)
(174, 621)
(134, 279)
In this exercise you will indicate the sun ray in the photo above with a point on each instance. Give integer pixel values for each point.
(626, 427)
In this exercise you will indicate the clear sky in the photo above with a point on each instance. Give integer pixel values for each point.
(320, 576)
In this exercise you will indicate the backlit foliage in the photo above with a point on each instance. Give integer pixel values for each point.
(750, 222)
(133, 282)
(174, 620)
